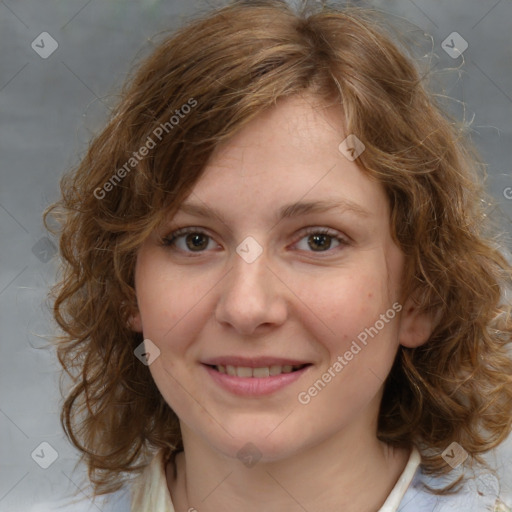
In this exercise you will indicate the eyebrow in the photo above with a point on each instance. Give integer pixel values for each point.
(286, 212)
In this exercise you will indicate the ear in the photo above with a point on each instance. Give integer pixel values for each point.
(415, 326)
(135, 322)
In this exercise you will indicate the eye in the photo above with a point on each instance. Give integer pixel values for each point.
(321, 239)
(195, 240)
(188, 240)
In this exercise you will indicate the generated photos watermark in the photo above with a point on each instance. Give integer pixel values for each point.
(305, 397)
(143, 151)
(147, 352)
(249, 455)
(351, 147)
(454, 455)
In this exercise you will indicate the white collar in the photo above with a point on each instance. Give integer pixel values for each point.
(395, 496)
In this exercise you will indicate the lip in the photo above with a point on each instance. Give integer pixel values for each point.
(254, 386)
(252, 362)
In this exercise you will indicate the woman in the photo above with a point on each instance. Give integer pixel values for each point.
(278, 286)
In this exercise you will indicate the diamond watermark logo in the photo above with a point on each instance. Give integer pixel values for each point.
(249, 250)
(455, 455)
(44, 249)
(249, 455)
(351, 148)
(147, 352)
(454, 45)
(44, 45)
(44, 455)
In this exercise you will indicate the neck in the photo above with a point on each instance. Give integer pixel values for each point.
(335, 475)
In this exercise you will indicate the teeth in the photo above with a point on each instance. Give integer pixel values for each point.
(259, 373)
(243, 371)
(275, 370)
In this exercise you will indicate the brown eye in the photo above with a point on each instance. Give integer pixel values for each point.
(319, 241)
(196, 241)
(188, 240)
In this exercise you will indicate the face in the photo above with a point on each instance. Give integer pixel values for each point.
(276, 306)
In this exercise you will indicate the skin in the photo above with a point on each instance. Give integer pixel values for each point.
(295, 300)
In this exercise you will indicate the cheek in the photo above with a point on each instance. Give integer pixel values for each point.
(360, 346)
(347, 305)
(169, 306)
(165, 301)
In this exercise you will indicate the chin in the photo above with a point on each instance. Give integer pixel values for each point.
(259, 440)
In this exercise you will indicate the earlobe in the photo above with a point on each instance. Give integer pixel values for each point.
(415, 326)
(135, 322)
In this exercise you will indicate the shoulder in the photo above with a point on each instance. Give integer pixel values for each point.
(478, 494)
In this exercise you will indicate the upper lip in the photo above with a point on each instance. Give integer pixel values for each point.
(252, 362)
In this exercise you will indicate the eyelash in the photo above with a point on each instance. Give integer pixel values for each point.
(169, 240)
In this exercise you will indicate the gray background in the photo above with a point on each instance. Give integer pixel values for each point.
(49, 108)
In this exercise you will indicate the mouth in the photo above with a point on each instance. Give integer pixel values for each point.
(254, 376)
(261, 372)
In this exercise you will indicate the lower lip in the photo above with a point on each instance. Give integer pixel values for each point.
(254, 386)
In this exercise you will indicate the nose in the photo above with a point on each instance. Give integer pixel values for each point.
(252, 297)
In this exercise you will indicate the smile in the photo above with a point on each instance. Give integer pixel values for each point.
(259, 373)
(261, 378)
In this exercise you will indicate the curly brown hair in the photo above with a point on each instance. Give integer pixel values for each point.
(228, 66)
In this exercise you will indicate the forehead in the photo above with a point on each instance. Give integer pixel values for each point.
(287, 155)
